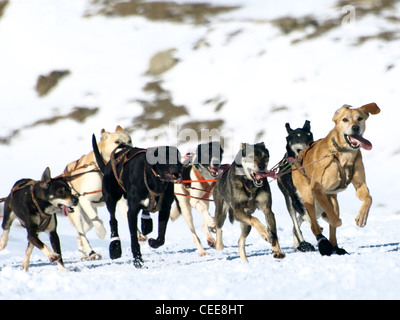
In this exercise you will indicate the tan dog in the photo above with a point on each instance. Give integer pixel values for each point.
(87, 187)
(328, 166)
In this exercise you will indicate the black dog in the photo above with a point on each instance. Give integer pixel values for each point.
(144, 177)
(34, 204)
(295, 141)
(242, 189)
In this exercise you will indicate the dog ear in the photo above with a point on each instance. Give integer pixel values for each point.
(104, 134)
(288, 129)
(46, 178)
(119, 128)
(261, 144)
(307, 125)
(338, 111)
(371, 108)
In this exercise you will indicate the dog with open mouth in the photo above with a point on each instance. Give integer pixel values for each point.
(241, 190)
(145, 178)
(35, 203)
(203, 165)
(328, 166)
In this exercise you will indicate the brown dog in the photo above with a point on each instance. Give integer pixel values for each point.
(328, 166)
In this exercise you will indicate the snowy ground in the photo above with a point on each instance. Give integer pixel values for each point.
(251, 65)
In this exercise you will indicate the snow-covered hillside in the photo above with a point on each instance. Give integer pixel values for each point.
(242, 68)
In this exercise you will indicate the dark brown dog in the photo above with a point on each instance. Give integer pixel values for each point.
(35, 203)
(241, 190)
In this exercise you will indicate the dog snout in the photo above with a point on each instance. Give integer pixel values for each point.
(261, 166)
(75, 201)
(356, 129)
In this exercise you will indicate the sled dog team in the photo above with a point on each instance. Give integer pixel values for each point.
(310, 176)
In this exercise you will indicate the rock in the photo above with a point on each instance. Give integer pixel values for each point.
(162, 62)
(47, 82)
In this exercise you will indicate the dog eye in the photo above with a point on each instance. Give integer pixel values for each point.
(118, 142)
(359, 119)
(345, 119)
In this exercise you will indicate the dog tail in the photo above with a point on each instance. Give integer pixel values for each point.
(99, 158)
(231, 216)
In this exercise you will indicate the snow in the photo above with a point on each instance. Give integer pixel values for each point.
(251, 65)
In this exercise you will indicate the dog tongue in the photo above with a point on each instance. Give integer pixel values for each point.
(364, 143)
(265, 174)
(65, 210)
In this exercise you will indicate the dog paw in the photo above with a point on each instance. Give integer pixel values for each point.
(211, 242)
(25, 266)
(361, 220)
(305, 247)
(141, 237)
(202, 253)
(95, 256)
(115, 249)
(278, 255)
(53, 257)
(138, 263)
(339, 251)
(155, 243)
(324, 246)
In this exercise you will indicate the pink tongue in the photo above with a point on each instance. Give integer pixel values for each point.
(65, 210)
(267, 174)
(364, 143)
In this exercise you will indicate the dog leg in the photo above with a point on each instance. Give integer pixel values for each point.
(4, 239)
(55, 243)
(362, 193)
(242, 240)
(28, 252)
(272, 231)
(186, 211)
(323, 200)
(221, 208)
(34, 239)
(298, 239)
(91, 213)
(115, 243)
(8, 218)
(208, 221)
(332, 230)
(268, 234)
(163, 217)
(133, 213)
(84, 247)
(324, 246)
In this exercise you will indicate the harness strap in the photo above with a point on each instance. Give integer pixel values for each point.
(207, 188)
(44, 218)
(126, 159)
(155, 204)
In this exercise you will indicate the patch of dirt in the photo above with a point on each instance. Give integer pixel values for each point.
(3, 5)
(315, 27)
(45, 83)
(196, 13)
(78, 114)
(162, 62)
(158, 111)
